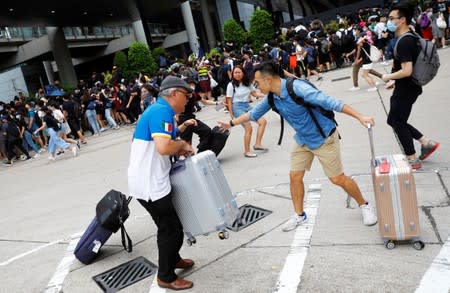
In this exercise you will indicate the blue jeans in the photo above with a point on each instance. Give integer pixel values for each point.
(92, 119)
(240, 108)
(55, 141)
(109, 118)
(28, 141)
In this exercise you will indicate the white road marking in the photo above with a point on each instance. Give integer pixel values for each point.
(437, 277)
(56, 282)
(30, 252)
(289, 278)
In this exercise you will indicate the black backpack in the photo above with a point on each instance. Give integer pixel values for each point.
(112, 211)
(37, 119)
(222, 75)
(299, 100)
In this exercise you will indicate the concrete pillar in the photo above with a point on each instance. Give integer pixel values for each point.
(49, 71)
(190, 27)
(141, 28)
(62, 56)
(208, 24)
(139, 32)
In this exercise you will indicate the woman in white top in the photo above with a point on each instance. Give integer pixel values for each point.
(64, 126)
(237, 96)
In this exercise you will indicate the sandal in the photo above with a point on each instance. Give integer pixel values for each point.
(250, 155)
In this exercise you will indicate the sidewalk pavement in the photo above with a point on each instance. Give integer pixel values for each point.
(45, 203)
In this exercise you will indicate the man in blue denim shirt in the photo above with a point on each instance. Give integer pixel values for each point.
(309, 141)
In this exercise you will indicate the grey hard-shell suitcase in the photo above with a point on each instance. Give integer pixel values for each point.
(396, 200)
(201, 196)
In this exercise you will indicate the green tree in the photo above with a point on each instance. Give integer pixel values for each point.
(261, 28)
(121, 61)
(233, 32)
(140, 59)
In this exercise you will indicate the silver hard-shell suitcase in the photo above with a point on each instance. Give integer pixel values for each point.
(201, 196)
(395, 195)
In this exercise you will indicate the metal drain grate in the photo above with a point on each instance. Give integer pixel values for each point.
(248, 215)
(125, 274)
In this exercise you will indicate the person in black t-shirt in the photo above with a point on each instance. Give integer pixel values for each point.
(406, 91)
(14, 139)
(72, 112)
(197, 127)
(55, 142)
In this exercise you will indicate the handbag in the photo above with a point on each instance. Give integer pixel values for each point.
(112, 211)
(213, 82)
(375, 54)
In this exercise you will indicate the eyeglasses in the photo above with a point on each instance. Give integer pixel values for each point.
(256, 83)
(187, 95)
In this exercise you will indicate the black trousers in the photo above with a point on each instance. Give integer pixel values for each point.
(202, 130)
(170, 235)
(399, 112)
(15, 143)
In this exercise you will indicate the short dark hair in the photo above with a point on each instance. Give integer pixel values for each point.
(406, 10)
(270, 68)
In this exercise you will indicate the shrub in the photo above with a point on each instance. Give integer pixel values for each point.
(140, 60)
(233, 32)
(261, 28)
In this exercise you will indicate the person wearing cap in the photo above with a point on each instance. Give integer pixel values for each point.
(154, 141)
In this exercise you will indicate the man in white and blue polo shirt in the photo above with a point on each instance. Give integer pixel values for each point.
(155, 139)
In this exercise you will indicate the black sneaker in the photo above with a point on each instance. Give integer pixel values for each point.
(7, 163)
(428, 149)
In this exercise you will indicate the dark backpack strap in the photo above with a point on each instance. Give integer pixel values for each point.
(123, 232)
(274, 108)
(301, 101)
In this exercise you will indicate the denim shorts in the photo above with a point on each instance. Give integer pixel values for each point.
(240, 108)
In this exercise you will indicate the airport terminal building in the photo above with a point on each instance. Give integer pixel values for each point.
(47, 40)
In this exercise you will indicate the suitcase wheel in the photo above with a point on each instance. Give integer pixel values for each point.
(224, 235)
(418, 245)
(390, 245)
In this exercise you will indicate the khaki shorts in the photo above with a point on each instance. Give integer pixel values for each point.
(329, 154)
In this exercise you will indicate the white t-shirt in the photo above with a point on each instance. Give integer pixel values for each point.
(58, 115)
(240, 93)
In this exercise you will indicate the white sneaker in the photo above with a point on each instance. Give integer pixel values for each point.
(74, 150)
(117, 127)
(372, 89)
(102, 129)
(354, 88)
(294, 221)
(51, 157)
(368, 214)
(37, 155)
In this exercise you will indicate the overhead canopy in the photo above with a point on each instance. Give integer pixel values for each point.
(65, 13)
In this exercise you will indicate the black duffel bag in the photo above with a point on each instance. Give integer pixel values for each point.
(112, 212)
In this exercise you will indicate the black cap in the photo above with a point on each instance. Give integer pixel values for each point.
(174, 82)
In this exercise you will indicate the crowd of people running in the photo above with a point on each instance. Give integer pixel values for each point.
(58, 123)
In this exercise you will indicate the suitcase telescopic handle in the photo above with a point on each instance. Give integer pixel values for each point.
(372, 147)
